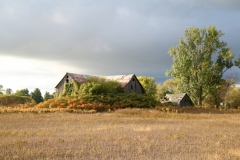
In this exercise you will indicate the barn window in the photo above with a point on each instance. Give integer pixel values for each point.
(67, 80)
(131, 87)
(133, 79)
(185, 100)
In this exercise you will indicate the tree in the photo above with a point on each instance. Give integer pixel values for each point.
(22, 92)
(1, 89)
(37, 95)
(199, 61)
(149, 85)
(232, 99)
(168, 87)
(47, 96)
(8, 91)
(219, 95)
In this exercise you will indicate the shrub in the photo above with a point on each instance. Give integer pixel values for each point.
(101, 102)
(14, 100)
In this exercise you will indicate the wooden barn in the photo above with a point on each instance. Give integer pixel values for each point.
(179, 100)
(129, 82)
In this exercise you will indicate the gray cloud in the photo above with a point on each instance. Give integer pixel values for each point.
(110, 37)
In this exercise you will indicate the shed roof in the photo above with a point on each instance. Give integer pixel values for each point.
(175, 97)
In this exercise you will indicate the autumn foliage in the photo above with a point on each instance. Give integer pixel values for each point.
(100, 102)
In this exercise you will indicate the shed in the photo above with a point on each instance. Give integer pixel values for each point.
(179, 100)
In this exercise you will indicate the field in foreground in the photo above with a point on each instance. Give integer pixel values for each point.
(124, 134)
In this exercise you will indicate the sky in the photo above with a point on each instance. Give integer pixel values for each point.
(42, 40)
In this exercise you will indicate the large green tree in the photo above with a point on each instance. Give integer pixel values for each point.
(37, 95)
(199, 61)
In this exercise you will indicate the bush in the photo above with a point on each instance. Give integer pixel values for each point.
(101, 102)
(14, 100)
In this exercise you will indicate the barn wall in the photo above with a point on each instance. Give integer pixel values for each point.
(60, 86)
(133, 86)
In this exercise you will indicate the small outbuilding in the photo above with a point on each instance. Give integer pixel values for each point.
(179, 100)
(129, 82)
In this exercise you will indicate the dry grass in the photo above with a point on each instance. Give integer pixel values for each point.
(124, 134)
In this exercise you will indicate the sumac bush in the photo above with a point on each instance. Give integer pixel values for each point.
(101, 102)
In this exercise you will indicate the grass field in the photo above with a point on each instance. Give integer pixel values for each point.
(123, 134)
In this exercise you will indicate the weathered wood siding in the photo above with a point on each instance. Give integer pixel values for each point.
(60, 87)
(133, 86)
(185, 101)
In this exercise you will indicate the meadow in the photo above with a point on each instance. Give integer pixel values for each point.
(122, 134)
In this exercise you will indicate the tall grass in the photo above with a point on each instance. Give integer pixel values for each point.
(124, 134)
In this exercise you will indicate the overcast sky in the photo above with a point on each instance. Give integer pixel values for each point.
(42, 40)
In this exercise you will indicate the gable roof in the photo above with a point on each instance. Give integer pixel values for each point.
(78, 77)
(175, 97)
(122, 79)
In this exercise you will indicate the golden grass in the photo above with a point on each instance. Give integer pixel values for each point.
(123, 134)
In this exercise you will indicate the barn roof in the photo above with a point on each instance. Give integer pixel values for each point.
(79, 77)
(122, 79)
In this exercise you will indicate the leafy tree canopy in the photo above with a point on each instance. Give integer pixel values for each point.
(168, 87)
(47, 96)
(22, 92)
(199, 62)
(37, 95)
(149, 85)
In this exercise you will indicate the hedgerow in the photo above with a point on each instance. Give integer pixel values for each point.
(16, 101)
(101, 102)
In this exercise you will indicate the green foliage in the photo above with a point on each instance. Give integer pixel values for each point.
(103, 102)
(149, 85)
(47, 96)
(12, 100)
(101, 87)
(67, 91)
(91, 86)
(168, 87)
(232, 99)
(22, 92)
(1, 89)
(200, 61)
(37, 95)
(218, 96)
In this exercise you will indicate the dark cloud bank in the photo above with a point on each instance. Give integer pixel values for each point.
(110, 37)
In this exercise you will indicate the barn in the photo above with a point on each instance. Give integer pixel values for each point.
(129, 82)
(179, 100)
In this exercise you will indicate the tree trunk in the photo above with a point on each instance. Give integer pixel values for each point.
(200, 98)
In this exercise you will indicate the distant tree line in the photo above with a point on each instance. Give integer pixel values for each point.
(36, 94)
